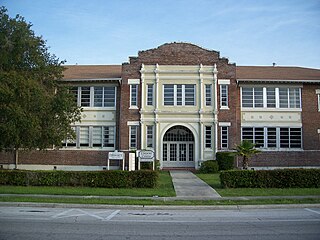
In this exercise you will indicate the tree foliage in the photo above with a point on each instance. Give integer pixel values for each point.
(246, 149)
(35, 109)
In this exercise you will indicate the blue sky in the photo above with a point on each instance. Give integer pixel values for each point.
(108, 32)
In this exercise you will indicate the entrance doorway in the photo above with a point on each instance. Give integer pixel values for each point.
(178, 148)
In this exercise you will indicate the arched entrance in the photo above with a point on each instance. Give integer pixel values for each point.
(178, 147)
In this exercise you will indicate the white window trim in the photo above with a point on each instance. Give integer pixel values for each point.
(224, 124)
(134, 81)
(224, 81)
(227, 96)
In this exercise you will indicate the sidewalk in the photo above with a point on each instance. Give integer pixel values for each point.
(189, 186)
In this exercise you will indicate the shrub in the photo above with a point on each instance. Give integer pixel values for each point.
(225, 160)
(280, 178)
(106, 179)
(210, 166)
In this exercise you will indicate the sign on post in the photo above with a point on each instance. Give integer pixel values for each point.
(116, 156)
(146, 156)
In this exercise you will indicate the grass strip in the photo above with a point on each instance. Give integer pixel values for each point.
(214, 181)
(159, 202)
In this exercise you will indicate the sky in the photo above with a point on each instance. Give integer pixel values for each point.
(254, 33)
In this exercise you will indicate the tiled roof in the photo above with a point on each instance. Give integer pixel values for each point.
(92, 71)
(279, 73)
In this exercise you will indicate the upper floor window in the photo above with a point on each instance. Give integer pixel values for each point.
(224, 96)
(95, 96)
(149, 94)
(271, 97)
(179, 94)
(318, 96)
(208, 94)
(133, 95)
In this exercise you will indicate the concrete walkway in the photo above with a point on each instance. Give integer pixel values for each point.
(189, 186)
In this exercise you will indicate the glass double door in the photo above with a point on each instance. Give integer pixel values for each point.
(178, 151)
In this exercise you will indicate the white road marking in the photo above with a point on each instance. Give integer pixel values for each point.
(313, 211)
(90, 214)
(112, 215)
(62, 213)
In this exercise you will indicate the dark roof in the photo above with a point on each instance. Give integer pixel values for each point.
(92, 71)
(277, 73)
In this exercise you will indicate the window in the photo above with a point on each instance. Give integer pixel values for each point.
(224, 137)
(179, 95)
(92, 137)
(68, 142)
(133, 95)
(208, 139)
(104, 97)
(272, 137)
(318, 95)
(208, 94)
(150, 94)
(95, 96)
(289, 97)
(150, 136)
(252, 97)
(133, 136)
(223, 96)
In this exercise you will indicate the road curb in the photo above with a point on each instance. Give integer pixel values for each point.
(158, 207)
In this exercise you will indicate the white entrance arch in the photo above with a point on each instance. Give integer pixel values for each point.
(179, 150)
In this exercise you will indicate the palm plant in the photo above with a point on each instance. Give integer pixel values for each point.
(246, 149)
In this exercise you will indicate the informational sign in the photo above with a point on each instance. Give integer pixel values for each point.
(146, 155)
(116, 155)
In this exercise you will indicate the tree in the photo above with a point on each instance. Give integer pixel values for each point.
(246, 149)
(36, 110)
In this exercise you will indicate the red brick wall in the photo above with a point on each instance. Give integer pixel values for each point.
(310, 117)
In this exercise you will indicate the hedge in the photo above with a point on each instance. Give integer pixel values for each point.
(225, 160)
(105, 179)
(280, 178)
(209, 166)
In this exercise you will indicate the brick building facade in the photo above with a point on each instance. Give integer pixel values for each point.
(185, 103)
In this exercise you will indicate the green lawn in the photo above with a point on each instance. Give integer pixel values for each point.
(214, 181)
(164, 189)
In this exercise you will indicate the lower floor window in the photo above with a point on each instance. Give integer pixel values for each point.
(208, 136)
(224, 137)
(92, 137)
(273, 137)
(133, 131)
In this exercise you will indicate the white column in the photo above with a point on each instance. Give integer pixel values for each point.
(215, 110)
(156, 97)
(143, 135)
(143, 88)
(201, 141)
(201, 97)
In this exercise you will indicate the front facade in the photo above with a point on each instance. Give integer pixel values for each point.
(186, 103)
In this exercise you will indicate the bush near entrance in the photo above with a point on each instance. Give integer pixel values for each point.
(225, 160)
(105, 179)
(280, 178)
(209, 166)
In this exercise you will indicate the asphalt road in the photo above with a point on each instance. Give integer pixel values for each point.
(75, 223)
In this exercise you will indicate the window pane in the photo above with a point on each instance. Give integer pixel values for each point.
(150, 94)
(247, 97)
(258, 97)
(165, 152)
(168, 94)
(259, 137)
(84, 136)
(191, 158)
(271, 97)
(224, 137)
(109, 96)
(133, 136)
(284, 138)
(97, 137)
(189, 95)
(208, 131)
(150, 136)
(173, 152)
(295, 138)
(294, 97)
(224, 95)
(108, 136)
(179, 94)
(283, 97)
(272, 137)
(208, 94)
(85, 96)
(247, 134)
(134, 95)
(98, 95)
